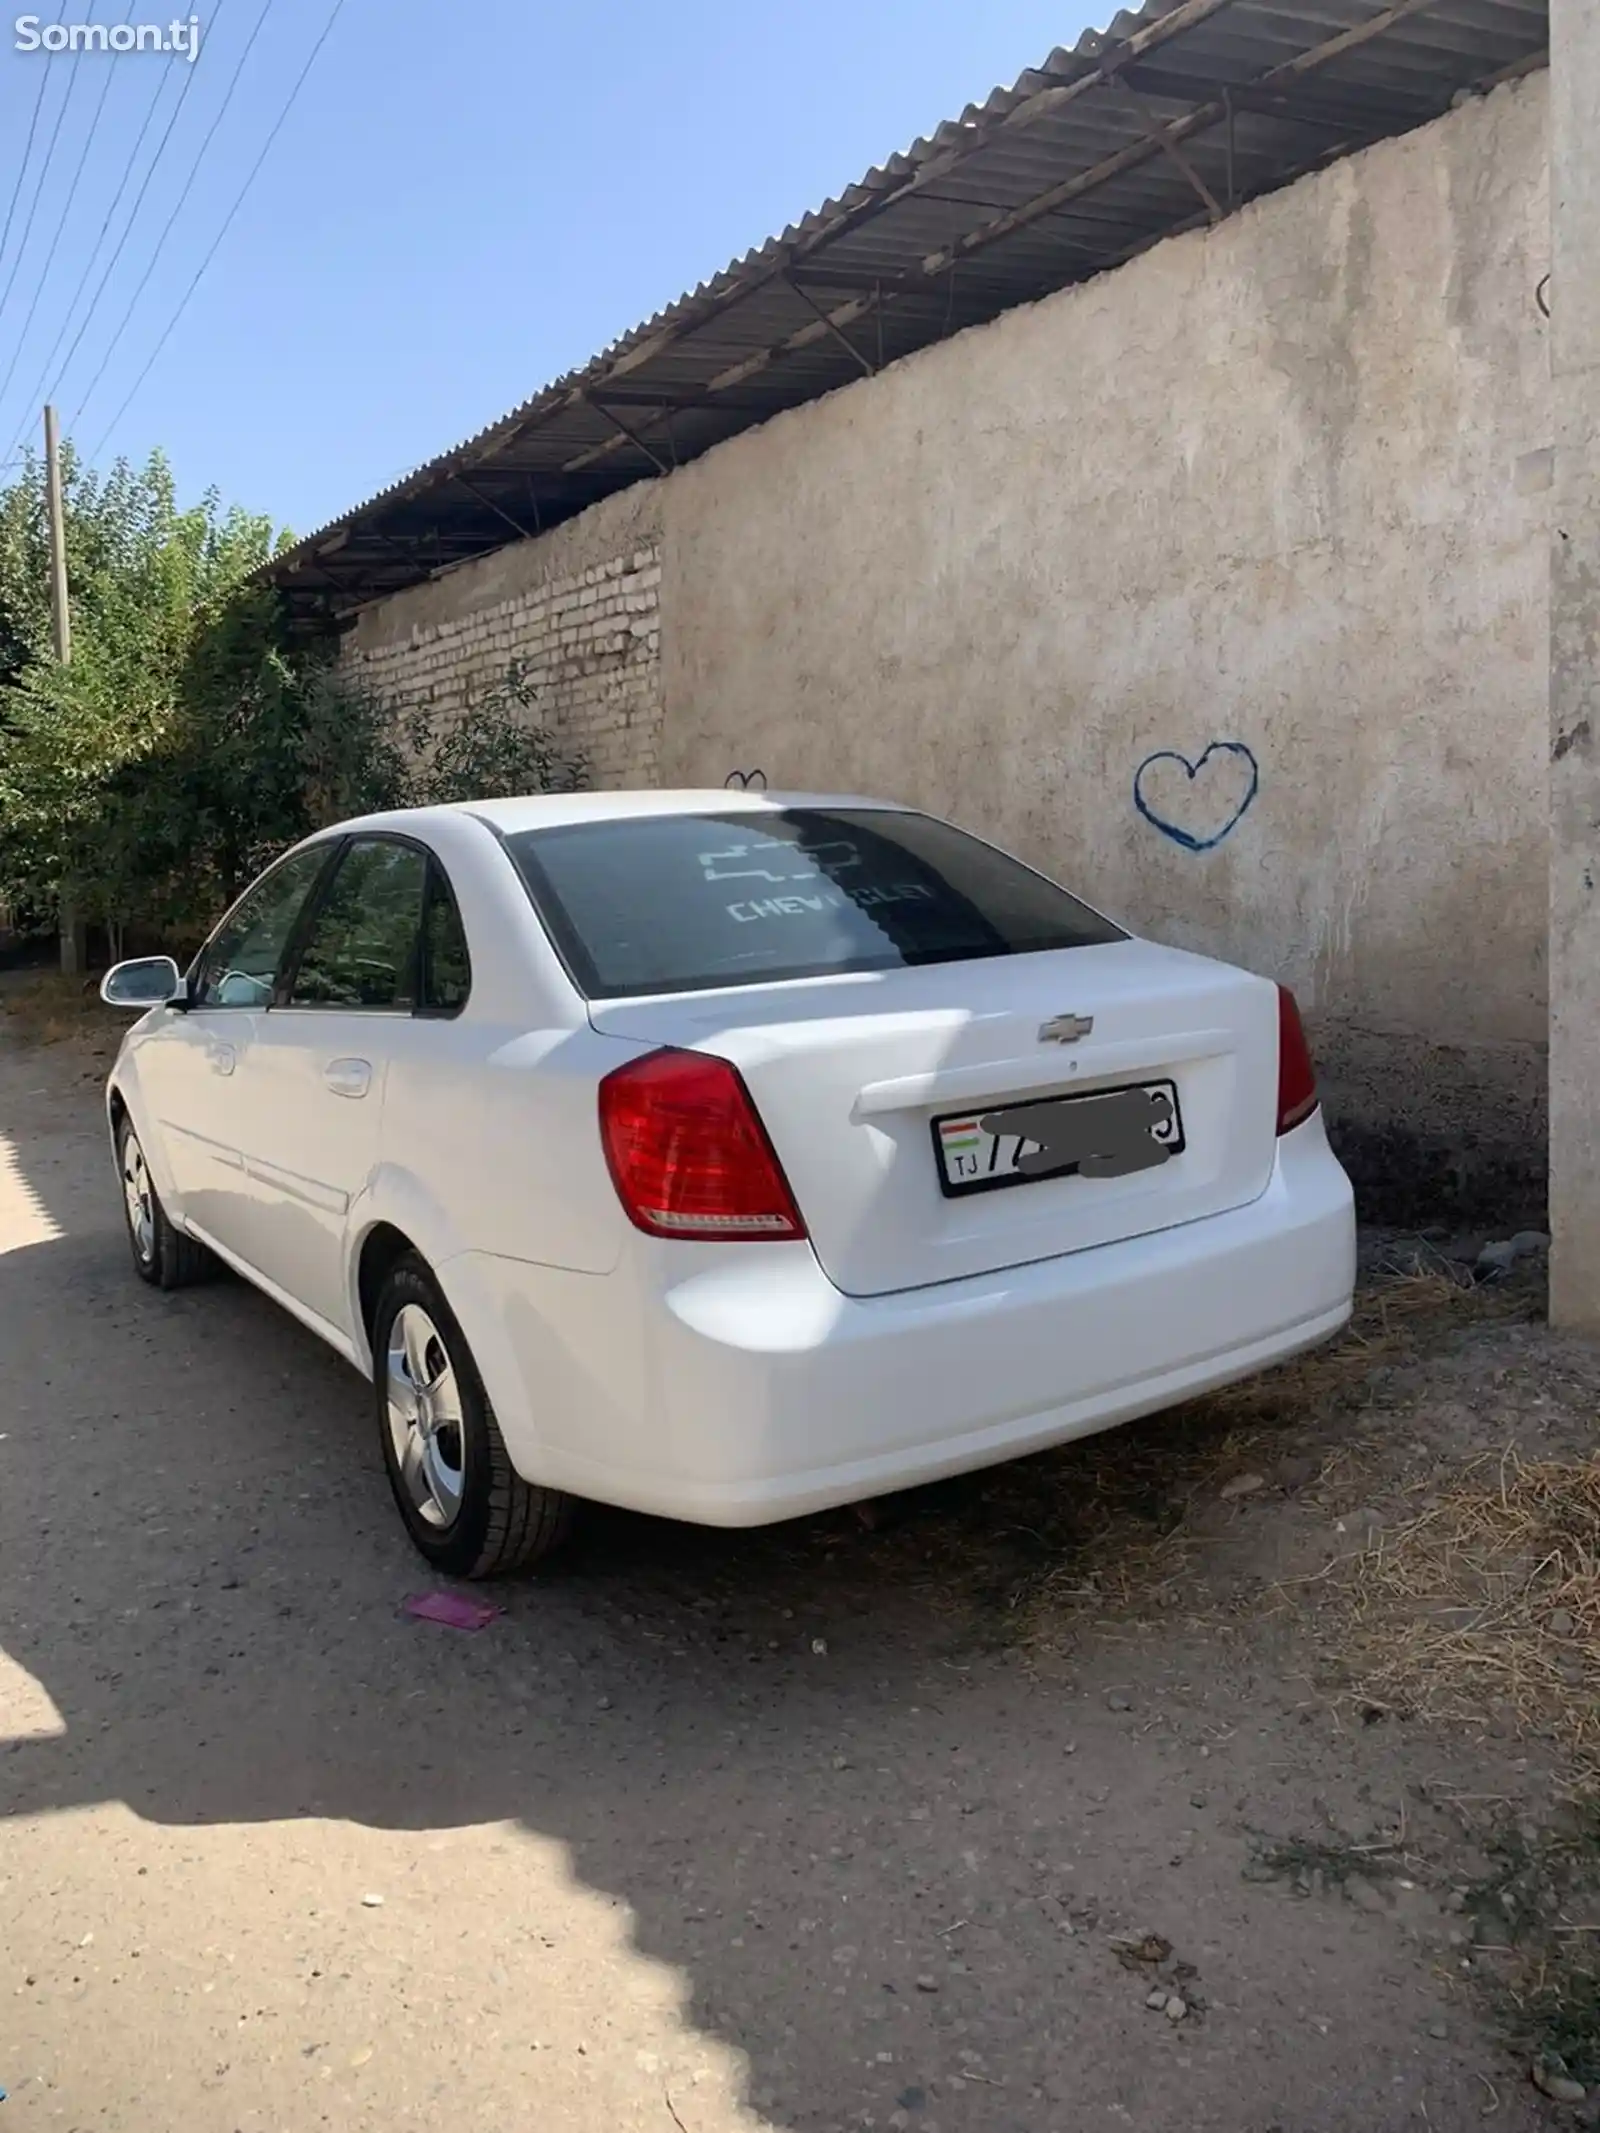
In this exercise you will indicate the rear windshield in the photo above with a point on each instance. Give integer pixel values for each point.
(685, 903)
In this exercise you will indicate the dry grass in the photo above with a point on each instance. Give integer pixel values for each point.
(1485, 1606)
(51, 1009)
(1125, 1526)
(1130, 1528)
(1396, 1318)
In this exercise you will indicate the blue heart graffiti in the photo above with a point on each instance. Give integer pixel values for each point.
(1187, 838)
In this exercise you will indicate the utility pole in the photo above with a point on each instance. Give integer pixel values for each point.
(73, 946)
(60, 614)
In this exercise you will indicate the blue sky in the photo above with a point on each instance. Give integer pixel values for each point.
(462, 202)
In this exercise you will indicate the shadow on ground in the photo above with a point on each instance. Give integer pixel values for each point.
(883, 1849)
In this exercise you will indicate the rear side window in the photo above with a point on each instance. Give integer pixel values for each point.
(683, 903)
(446, 964)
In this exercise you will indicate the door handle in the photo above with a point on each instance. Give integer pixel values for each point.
(348, 1077)
(223, 1058)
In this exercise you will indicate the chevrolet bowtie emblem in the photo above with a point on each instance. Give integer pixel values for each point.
(1065, 1029)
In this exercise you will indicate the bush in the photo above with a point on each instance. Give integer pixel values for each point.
(193, 736)
(497, 747)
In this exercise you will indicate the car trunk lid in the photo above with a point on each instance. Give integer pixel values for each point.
(850, 1075)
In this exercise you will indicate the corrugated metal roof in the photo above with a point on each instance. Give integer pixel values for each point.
(1172, 117)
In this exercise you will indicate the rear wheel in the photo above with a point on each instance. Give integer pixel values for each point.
(465, 1506)
(162, 1255)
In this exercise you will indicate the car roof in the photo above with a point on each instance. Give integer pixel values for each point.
(557, 810)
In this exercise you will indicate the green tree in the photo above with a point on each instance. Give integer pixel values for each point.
(141, 572)
(193, 735)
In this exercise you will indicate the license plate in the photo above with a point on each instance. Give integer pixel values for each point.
(1103, 1133)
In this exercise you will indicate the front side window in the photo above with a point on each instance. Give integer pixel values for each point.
(684, 903)
(360, 951)
(239, 966)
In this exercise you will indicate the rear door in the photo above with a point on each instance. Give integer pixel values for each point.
(963, 988)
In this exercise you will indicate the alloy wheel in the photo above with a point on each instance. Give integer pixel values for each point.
(139, 1198)
(425, 1423)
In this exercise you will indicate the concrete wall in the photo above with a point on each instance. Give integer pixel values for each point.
(1277, 490)
(1280, 486)
(580, 607)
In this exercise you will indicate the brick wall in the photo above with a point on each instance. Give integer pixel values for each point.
(580, 608)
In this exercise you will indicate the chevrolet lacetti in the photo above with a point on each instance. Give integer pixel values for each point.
(722, 1155)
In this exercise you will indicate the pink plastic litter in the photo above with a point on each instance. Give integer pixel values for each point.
(451, 1610)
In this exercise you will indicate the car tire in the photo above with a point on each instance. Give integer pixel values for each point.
(465, 1506)
(162, 1254)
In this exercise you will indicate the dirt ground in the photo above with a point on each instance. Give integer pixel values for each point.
(1227, 1772)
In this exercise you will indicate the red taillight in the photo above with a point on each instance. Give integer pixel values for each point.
(1297, 1079)
(689, 1156)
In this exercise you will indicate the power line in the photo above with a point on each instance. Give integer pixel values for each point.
(44, 172)
(188, 187)
(22, 168)
(216, 244)
(45, 379)
(61, 221)
(133, 216)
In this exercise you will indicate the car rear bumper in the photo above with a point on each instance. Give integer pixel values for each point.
(750, 1389)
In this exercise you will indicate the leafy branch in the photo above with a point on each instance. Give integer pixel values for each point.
(193, 736)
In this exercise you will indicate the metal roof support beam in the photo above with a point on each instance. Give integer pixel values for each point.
(339, 580)
(536, 444)
(1316, 108)
(805, 337)
(690, 399)
(1530, 63)
(524, 533)
(407, 544)
(389, 540)
(869, 368)
(1186, 16)
(1163, 139)
(1346, 41)
(1200, 120)
(916, 286)
(747, 367)
(626, 435)
(817, 273)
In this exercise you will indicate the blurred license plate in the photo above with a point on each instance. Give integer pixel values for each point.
(1138, 1132)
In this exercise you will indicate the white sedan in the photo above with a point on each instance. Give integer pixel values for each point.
(722, 1155)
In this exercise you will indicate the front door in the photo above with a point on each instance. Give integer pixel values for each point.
(311, 1090)
(189, 1074)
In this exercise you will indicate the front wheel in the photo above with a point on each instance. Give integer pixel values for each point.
(162, 1255)
(465, 1506)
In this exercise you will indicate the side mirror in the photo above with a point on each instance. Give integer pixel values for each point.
(149, 981)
